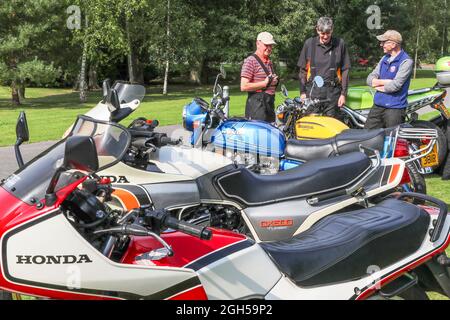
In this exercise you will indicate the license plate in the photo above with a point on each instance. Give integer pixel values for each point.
(444, 110)
(431, 160)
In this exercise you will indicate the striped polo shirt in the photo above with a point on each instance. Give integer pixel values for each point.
(252, 70)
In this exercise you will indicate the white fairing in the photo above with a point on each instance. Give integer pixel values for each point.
(188, 161)
(56, 237)
(246, 274)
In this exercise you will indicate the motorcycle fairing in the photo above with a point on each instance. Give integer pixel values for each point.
(37, 238)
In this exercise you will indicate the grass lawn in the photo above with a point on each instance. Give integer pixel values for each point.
(51, 111)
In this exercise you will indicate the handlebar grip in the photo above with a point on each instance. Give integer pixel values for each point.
(169, 141)
(197, 231)
(140, 143)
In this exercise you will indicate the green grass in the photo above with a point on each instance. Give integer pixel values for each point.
(51, 111)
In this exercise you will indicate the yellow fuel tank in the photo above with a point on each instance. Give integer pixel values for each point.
(318, 127)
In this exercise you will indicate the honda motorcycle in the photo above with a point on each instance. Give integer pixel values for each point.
(191, 183)
(61, 240)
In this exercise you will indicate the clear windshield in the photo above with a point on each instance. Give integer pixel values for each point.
(31, 182)
(129, 92)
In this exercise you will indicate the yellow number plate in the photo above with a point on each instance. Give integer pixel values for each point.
(431, 159)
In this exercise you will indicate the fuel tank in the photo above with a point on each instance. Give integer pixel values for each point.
(254, 137)
(318, 127)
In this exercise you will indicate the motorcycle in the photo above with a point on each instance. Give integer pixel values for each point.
(61, 240)
(305, 125)
(184, 180)
(223, 195)
(264, 147)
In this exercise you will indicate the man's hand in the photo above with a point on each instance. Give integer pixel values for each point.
(303, 96)
(275, 79)
(380, 89)
(341, 101)
(378, 83)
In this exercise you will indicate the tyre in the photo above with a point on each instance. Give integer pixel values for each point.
(418, 183)
(442, 144)
(5, 295)
(414, 293)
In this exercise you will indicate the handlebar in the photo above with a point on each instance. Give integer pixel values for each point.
(197, 231)
(161, 219)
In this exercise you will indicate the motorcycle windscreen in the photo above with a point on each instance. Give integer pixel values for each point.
(111, 140)
(30, 183)
(129, 92)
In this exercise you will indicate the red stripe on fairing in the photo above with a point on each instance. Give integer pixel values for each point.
(186, 248)
(197, 293)
(369, 291)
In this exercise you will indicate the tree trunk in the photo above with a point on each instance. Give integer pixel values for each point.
(135, 68)
(196, 75)
(166, 74)
(22, 91)
(83, 94)
(15, 94)
(93, 78)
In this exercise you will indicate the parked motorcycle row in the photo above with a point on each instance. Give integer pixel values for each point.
(245, 210)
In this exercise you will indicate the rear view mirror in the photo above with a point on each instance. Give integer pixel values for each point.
(113, 101)
(22, 136)
(106, 87)
(81, 154)
(22, 133)
(284, 91)
(318, 80)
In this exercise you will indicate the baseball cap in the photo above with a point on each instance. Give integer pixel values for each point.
(266, 38)
(391, 35)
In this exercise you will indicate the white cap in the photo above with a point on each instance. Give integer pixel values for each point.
(266, 38)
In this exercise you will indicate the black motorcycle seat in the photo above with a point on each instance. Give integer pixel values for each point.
(313, 177)
(343, 246)
(345, 142)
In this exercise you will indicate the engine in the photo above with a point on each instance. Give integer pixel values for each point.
(216, 216)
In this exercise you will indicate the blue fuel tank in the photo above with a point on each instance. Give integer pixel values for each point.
(257, 137)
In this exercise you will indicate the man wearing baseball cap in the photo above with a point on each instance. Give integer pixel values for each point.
(258, 78)
(391, 79)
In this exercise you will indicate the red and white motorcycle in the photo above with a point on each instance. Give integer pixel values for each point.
(60, 240)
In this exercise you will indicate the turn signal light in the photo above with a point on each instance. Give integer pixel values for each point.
(280, 116)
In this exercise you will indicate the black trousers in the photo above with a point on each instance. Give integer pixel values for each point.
(380, 117)
(260, 106)
(329, 109)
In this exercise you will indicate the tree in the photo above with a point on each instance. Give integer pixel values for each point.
(26, 27)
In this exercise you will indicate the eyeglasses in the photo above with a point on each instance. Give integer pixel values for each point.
(382, 43)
